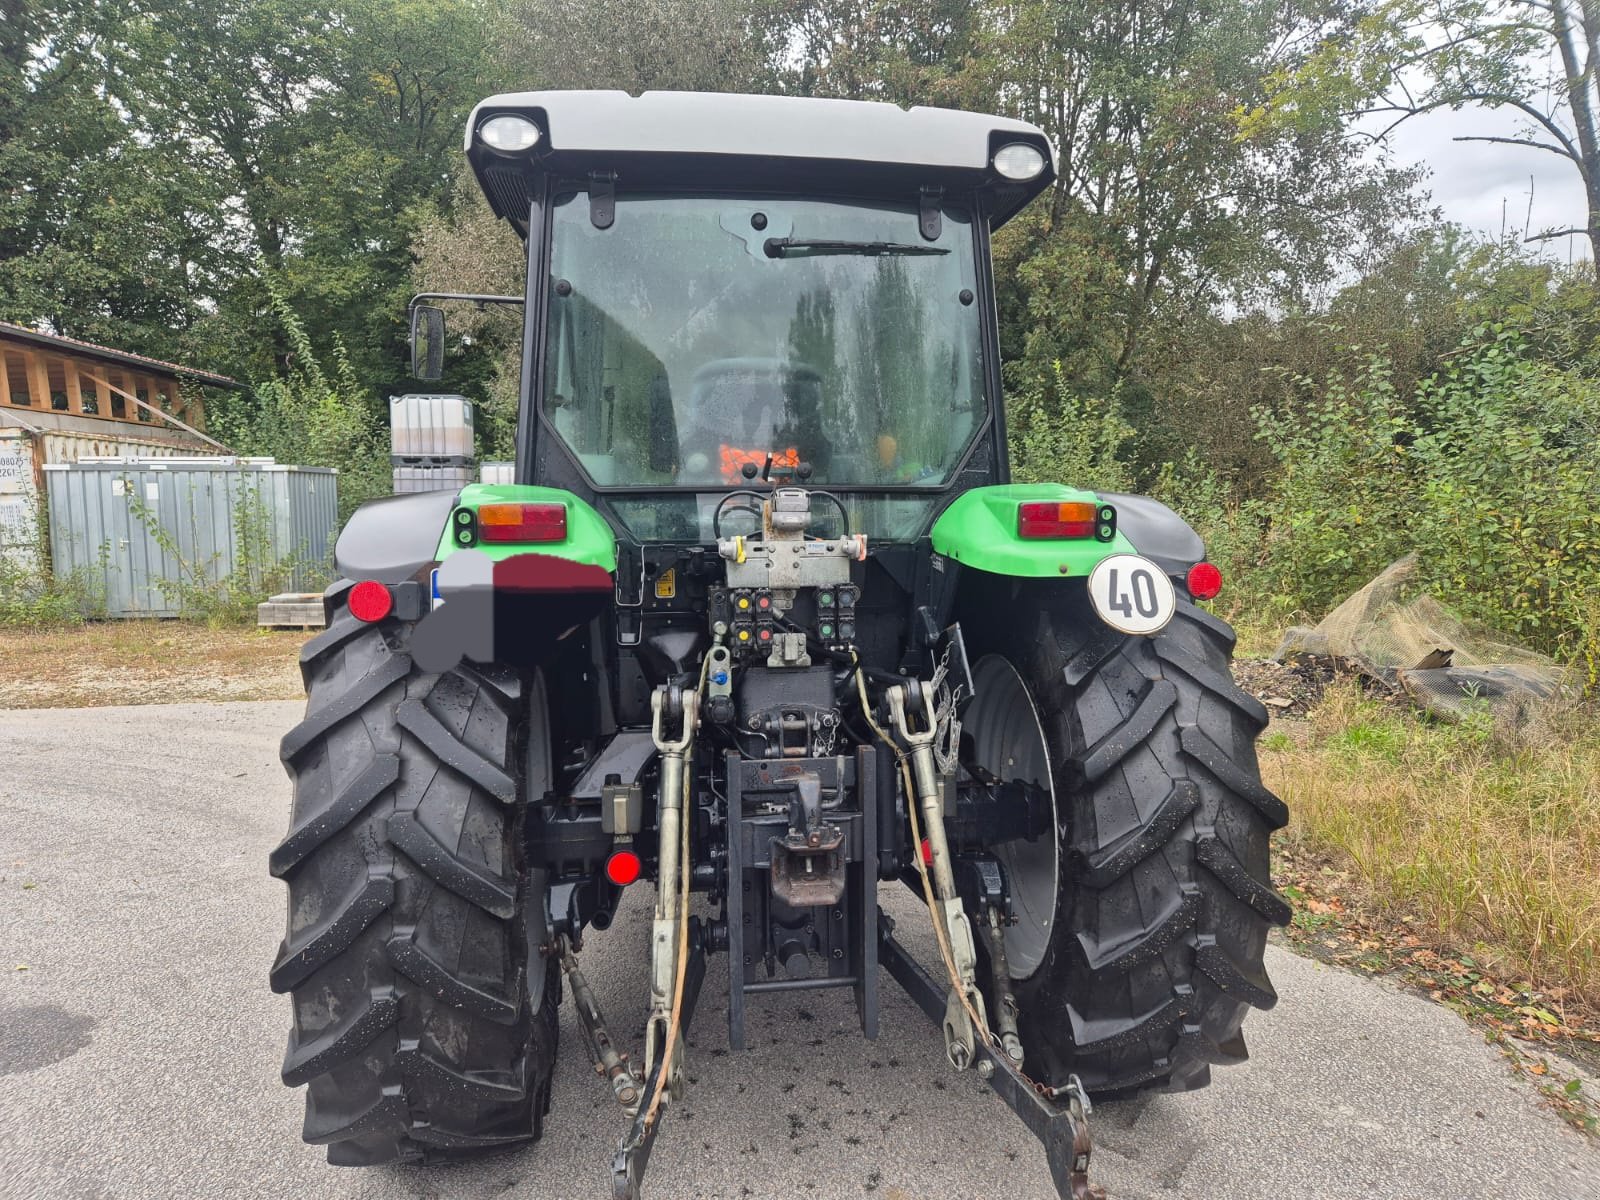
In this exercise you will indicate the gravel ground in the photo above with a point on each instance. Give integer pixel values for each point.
(139, 1050)
(147, 662)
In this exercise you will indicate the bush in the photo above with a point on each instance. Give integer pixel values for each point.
(31, 595)
(258, 568)
(1507, 459)
(1233, 530)
(1335, 515)
(1488, 471)
(1060, 436)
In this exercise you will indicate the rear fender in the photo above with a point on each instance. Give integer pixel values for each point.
(506, 602)
(1157, 532)
(393, 539)
(979, 530)
(513, 602)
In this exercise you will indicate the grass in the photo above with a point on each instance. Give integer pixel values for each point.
(146, 662)
(1485, 837)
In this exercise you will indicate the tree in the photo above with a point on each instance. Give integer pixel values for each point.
(636, 45)
(460, 246)
(151, 154)
(1167, 210)
(873, 50)
(1539, 59)
(95, 240)
(327, 126)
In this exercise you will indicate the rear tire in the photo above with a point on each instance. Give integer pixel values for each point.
(419, 1029)
(1163, 899)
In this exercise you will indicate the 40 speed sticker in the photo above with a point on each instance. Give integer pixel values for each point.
(1132, 594)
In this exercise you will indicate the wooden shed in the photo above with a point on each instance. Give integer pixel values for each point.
(60, 383)
(62, 400)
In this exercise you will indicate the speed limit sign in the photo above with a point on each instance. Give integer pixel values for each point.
(1131, 594)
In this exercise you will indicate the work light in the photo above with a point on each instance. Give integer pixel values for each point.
(1018, 161)
(506, 134)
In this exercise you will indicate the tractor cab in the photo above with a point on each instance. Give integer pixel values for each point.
(714, 281)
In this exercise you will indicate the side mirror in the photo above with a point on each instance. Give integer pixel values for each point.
(427, 341)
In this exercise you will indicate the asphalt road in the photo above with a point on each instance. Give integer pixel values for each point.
(139, 1051)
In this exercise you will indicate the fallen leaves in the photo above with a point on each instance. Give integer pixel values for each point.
(1332, 923)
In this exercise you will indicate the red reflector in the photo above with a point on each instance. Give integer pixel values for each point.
(622, 868)
(927, 853)
(1205, 581)
(1048, 519)
(522, 522)
(369, 601)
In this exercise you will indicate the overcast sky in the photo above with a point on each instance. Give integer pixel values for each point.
(1485, 186)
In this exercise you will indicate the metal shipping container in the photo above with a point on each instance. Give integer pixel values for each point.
(23, 450)
(149, 528)
(431, 425)
(430, 479)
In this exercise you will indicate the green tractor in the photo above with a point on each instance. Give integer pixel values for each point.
(764, 622)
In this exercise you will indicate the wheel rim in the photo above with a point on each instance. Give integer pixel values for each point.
(1008, 741)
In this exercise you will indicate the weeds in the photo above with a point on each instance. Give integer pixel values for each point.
(32, 599)
(257, 566)
(32, 596)
(1490, 833)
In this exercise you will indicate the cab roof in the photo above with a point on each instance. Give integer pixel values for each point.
(727, 142)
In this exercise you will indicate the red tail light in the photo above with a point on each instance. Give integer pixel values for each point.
(1205, 581)
(622, 868)
(1049, 519)
(522, 522)
(369, 601)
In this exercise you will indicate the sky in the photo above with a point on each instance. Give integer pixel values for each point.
(1485, 187)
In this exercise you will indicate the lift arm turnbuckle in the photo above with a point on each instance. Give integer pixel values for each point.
(669, 707)
(915, 722)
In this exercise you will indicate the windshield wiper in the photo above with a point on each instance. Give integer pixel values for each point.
(780, 247)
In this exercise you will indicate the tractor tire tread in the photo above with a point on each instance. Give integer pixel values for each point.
(1099, 867)
(341, 1041)
(323, 941)
(1156, 948)
(1143, 944)
(415, 717)
(353, 800)
(491, 892)
(415, 1030)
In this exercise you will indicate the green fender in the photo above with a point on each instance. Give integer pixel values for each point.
(979, 530)
(589, 539)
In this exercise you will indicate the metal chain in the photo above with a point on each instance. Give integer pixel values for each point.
(947, 726)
